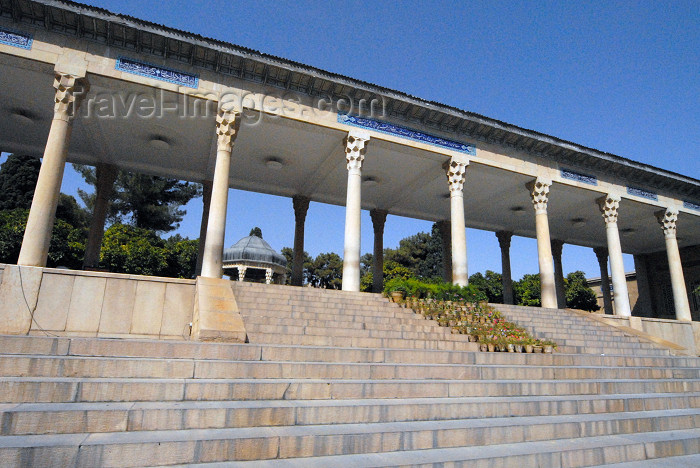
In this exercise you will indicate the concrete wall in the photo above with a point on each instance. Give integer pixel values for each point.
(82, 303)
(685, 334)
(632, 291)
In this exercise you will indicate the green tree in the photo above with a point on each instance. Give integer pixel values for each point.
(578, 294)
(148, 202)
(134, 250)
(66, 249)
(18, 175)
(490, 284)
(420, 253)
(256, 231)
(326, 271)
(527, 291)
(181, 256)
(71, 212)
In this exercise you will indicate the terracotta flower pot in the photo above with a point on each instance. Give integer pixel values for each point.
(396, 296)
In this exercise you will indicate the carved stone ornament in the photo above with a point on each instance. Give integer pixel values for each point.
(667, 219)
(504, 238)
(539, 192)
(608, 207)
(456, 174)
(301, 207)
(70, 91)
(355, 148)
(226, 129)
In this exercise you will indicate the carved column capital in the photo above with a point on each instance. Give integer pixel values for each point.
(601, 254)
(355, 147)
(539, 192)
(227, 123)
(667, 219)
(504, 239)
(609, 206)
(378, 219)
(301, 206)
(70, 92)
(456, 174)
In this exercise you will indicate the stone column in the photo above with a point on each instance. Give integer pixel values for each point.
(668, 220)
(268, 275)
(539, 191)
(355, 147)
(301, 207)
(70, 91)
(226, 130)
(206, 204)
(602, 254)
(378, 221)
(608, 207)
(106, 174)
(557, 249)
(446, 247)
(241, 273)
(456, 174)
(643, 307)
(504, 238)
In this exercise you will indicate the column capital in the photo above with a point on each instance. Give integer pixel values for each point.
(378, 219)
(609, 206)
(70, 91)
(601, 254)
(557, 247)
(355, 147)
(456, 174)
(539, 192)
(227, 124)
(301, 206)
(667, 219)
(504, 238)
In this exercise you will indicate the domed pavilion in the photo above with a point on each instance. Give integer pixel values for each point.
(252, 259)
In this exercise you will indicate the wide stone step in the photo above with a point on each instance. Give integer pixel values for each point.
(425, 325)
(107, 347)
(439, 334)
(672, 435)
(565, 453)
(67, 418)
(361, 342)
(332, 315)
(53, 366)
(667, 462)
(66, 390)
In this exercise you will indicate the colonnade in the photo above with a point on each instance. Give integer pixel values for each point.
(70, 89)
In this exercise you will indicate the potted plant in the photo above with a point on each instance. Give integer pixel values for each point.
(548, 346)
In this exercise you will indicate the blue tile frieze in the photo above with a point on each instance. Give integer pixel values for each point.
(15, 38)
(391, 129)
(578, 177)
(157, 72)
(637, 192)
(691, 206)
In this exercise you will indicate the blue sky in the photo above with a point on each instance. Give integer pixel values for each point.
(619, 76)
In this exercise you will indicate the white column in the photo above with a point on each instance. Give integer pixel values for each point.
(268, 275)
(206, 205)
(602, 254)
(105, 174)
(37, 236)
(504, 238)
(378, 221)
(301, 206)
(557, 249)
(241, 273)
(226, 130)
(355, 147)
(456, 174)
(608, 207)
(539, 191)
(668, 220)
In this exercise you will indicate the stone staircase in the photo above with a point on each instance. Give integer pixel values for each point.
(332, 378)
